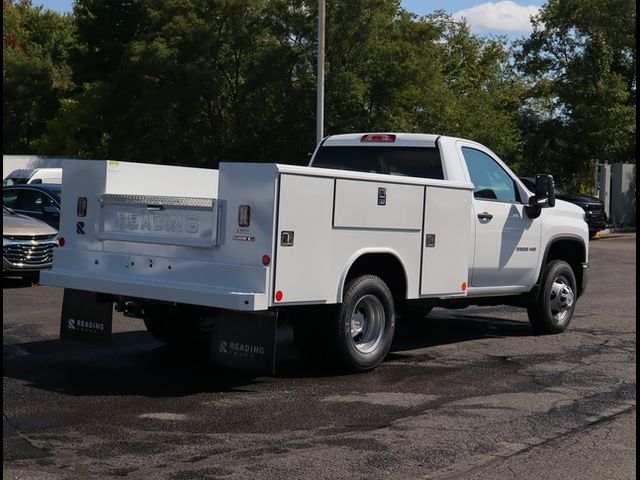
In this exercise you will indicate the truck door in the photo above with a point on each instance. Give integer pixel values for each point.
(506, 240)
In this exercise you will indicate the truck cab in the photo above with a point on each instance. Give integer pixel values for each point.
(512, 237)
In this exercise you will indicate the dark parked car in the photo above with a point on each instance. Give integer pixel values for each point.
(594, 207)
(41, 201)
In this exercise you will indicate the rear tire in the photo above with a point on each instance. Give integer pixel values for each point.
(311, 333)
(158, 327)
(365, 324)
(178, 327)
(552, 309)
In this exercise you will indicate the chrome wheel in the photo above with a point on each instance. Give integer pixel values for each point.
(367, 324)
(561, 299)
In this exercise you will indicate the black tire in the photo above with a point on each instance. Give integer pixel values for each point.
(178, 327)
(159, 328)
(368, 307)
(311, 333)
(552, 309)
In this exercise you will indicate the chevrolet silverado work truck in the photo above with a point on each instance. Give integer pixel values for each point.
(377, 226)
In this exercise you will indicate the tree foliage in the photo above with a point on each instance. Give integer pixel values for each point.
(580, 64)
(35, 71)
(200, 81)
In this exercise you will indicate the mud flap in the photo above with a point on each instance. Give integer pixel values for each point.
(245, 341)
(85, 316)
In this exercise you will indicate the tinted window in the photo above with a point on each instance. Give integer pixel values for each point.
(405, 161)
(9, 198)
(490, 181)
(8, 182)
(32, 200)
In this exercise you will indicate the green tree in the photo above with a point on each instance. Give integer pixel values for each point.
(35, 72)
(580, 65)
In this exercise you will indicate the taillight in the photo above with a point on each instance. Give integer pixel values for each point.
(378, 137)
(81, 210)
(244, 216)
(61, 241)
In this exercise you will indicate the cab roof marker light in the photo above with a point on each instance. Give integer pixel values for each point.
(378, 137)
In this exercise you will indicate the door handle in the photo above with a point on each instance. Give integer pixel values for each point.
(485, 216)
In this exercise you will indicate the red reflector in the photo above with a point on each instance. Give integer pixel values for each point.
(61, 241)
(82, 206)
(463, 286)
(279, 296)
(244, 216)
(378, 137)
(266, 260)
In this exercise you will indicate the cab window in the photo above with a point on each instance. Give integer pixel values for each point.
(490, 180)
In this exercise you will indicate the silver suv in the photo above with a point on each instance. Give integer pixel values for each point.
(27, 243)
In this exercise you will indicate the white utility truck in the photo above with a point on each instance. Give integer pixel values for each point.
(376, 224)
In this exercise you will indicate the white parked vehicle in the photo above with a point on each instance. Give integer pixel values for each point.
(33, 175)
(376, 224)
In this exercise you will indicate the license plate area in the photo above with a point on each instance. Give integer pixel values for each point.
(161, 220)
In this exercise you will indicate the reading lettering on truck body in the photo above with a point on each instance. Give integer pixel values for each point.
(381, 224)
(157, 222)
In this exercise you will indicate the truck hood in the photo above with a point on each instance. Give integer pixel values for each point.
(21, 225)
(566, 209)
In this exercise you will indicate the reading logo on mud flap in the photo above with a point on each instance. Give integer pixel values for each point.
(84, 325)
(242, 349)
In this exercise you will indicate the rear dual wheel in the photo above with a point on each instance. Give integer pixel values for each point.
(357, 335)
(177, 327)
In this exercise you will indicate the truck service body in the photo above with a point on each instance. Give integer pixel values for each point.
(377, 223)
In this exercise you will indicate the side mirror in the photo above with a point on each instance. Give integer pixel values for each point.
(544, 192)
(51, 209)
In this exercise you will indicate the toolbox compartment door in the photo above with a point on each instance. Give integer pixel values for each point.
(377, 205)
(445, 242)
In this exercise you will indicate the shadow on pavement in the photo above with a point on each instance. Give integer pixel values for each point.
(133, 364)
(136, 364)
(452, 327)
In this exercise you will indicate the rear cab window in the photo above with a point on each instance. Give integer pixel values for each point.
(422, 162)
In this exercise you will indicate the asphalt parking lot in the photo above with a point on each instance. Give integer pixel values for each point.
(465, 394)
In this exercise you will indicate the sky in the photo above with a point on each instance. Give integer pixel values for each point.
(500, 17)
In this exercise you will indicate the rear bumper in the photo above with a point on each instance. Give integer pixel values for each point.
(151, 290)
(234, 287)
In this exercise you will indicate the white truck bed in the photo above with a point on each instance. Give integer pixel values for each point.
(173, 234)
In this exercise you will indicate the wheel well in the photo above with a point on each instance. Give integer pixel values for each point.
(385, 266)
(571, 251)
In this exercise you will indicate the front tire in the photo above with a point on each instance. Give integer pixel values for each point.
(365, 324)
(552, 310)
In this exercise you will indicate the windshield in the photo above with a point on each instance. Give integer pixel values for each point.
(9, 182)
